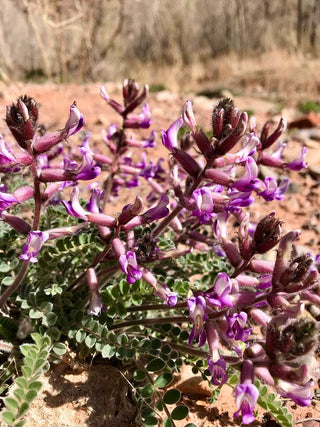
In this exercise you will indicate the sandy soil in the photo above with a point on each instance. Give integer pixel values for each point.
(98, 395)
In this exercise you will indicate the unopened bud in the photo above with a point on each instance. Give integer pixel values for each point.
(225, 117)
(227, 143)
(22, 119)
(16, 223)
(267, 234)
(275, 135)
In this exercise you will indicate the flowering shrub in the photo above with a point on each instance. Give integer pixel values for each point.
(163, 282)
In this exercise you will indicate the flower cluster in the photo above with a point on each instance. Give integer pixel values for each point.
(209, 185)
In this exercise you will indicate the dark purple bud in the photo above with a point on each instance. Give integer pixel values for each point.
(227, 143)
(130, 90)
(130, 211)
(275, 135)
(187, 162)
(267, 234)
(264, 132)
(22, 119)
(225, 117)
(203, 143)
(114, 104)
(134, 100)
(16, 223)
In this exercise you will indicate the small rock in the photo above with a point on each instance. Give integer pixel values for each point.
(309, 120)
(314, 172)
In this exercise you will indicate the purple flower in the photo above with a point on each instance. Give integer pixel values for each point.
(236, 326)
(6, 200)
(299, 163)
(129, 266)
(159, 211)
(93, 204)
(6, 155)
(73, 207)
(249, 181)
(273, 191)
(164, 292)
(246, 398)
(139, 121)
(170, 136)
(149, 142)
(218, 371)
(35, 241)
(74, 123)
(87, 170)
(204, 204)
(95, 304)
(197, 312)
(221, 290)
(301, 395)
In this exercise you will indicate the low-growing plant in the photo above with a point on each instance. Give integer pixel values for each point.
(163, 283)
(308, 106)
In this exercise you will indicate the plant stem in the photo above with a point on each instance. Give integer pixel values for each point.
(156, 307)
(18, 279)
(36, 219)
(159, 320)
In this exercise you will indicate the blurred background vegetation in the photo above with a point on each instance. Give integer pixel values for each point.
(167, 43)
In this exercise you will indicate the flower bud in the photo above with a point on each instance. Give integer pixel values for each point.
(16, 223)
(22, 119)
(267, 234)
(268, 141)
(226, 144)
(225, 117)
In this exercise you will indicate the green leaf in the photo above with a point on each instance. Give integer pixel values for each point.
(139, 375)
(31, 395)
(26, 371)
(8, 417)
(59, 348)
(35, 385)
(180, 412)
(80, 336)
(163, 380)
(4, 268)
(21, 382)
(156, 365)
(171, 396)
(90, 340)
(150, 421)
(50, 319)
(147, 390)
(107, 351)
(7, 281)
(11, 403)
(190, 425)
(35, 314)
(23, 409)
